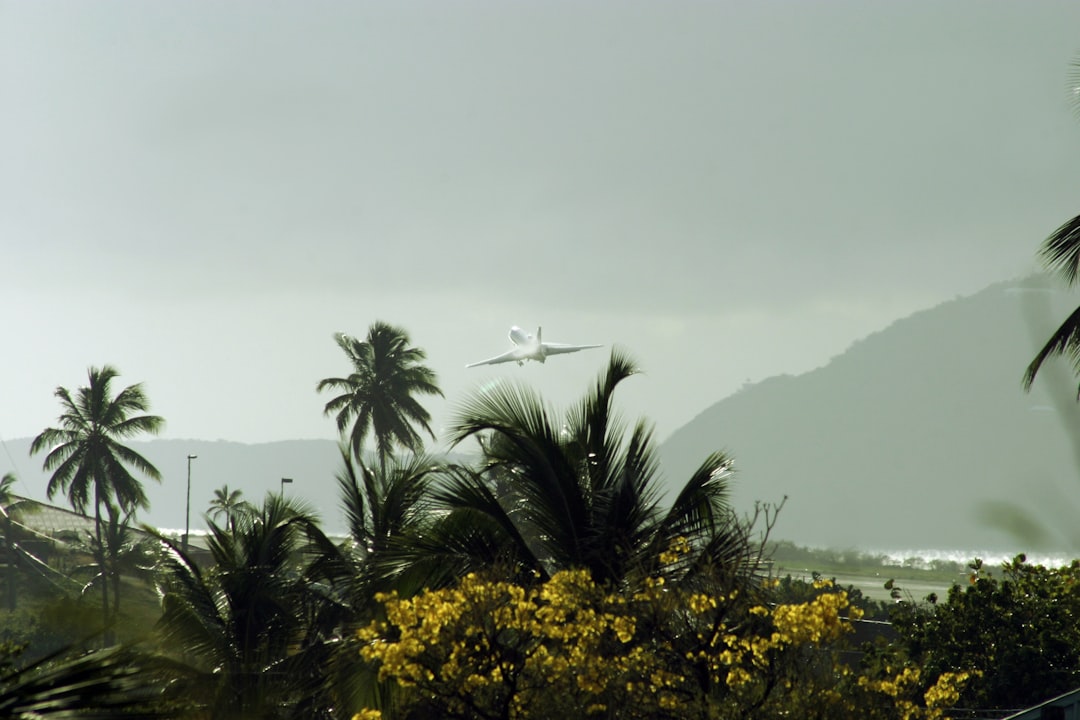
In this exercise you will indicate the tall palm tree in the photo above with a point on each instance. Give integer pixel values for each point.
(378, 396)
(582, 491)
(85, 454)
(1060, 253)
(227, 504)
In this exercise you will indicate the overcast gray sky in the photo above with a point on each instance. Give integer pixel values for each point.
(201, 193)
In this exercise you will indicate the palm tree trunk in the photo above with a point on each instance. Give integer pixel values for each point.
(11, 561)
(114, 569)
(99, 550)
(113, 544)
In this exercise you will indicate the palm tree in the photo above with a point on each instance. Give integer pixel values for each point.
(582, 492)
(386, 510)
(128, 552)
(123, 551)
(378, 395)
(251, 627)
(227, 504)
(86, 456)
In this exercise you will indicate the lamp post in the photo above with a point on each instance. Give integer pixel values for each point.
(187, 513)
(283, 481)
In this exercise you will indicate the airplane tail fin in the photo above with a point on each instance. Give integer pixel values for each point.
(539, 335)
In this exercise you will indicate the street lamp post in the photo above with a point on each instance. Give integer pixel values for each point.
(283, 481)
(187, 513)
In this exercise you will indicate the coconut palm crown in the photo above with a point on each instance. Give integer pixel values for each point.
(378, 396)
(227, 504)
(86, 455)
(582, 491)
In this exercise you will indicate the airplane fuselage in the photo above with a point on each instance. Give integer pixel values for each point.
(527, 346)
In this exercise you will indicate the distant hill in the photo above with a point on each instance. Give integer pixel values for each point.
(918, 436)
(254, 469)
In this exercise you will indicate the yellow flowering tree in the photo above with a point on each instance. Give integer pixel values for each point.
(566, 647)
(490, 648)
(558, 587)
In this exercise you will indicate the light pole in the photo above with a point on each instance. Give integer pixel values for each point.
(283, 481)
(187, 513)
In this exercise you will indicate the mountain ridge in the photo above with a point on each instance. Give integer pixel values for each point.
(881, 446)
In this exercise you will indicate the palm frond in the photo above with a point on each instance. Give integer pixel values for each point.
(462, 541)
(595, 410)
(352, 498)
(1073, 86)
(465, 490)
(625, 505)
(137, 461)
(703, 500)
(1061, 251)
(132, 426)
(105, 684)
(124, 487)
(1064, 341)
(728, 559)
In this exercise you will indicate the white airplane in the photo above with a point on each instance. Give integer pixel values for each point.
(528, 347)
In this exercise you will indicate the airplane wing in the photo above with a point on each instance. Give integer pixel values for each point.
(559, 348)
(508, 356)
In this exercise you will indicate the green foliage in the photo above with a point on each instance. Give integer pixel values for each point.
(789, 589)
(51, 626)
(389, 513)
(1020, 630)
(544, 581)
(100, 685)
(90, 464)
(251, 629)
(568, 647)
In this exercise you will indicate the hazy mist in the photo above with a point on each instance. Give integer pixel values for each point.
(201, 194)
